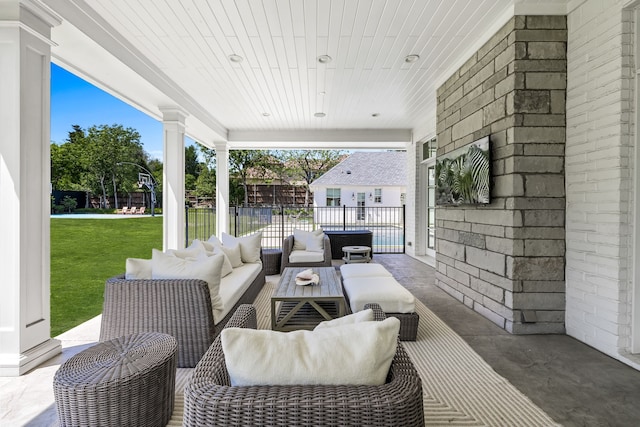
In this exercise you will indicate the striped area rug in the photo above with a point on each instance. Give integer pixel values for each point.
(459, 387)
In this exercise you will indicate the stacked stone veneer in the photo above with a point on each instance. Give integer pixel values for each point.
(506, 260)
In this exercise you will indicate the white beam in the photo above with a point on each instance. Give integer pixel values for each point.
(173, 221)
(320, 139)
(25, 312)
(222, 187)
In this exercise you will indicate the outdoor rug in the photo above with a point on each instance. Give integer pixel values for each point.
(459, 387)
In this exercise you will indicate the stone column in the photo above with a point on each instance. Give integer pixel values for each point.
(25, 312)
(173, 221)
(222, 187)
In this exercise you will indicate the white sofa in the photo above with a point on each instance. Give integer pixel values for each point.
(190, 308)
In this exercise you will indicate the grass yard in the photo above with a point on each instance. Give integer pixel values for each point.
(86, 252)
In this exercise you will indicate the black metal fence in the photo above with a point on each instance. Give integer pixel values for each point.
(276, 222)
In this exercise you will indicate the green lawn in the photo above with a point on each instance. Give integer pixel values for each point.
(86, 252)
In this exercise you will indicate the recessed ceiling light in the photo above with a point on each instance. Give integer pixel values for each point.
(411, 58)
(323, 93)
(319, 115)
(375, 114)
(266, 114)
(324, 59)
(235, 58)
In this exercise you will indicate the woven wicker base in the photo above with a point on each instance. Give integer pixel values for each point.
(408, 325)
(125, 381)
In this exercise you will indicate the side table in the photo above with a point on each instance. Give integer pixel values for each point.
(354, 254)
(128, 380)
(271, 259)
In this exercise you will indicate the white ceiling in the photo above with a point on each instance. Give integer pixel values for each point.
(174, 53)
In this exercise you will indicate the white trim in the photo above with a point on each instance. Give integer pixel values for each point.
(635, 285)
(321, 139)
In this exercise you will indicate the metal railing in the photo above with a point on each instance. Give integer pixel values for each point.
(387, 224)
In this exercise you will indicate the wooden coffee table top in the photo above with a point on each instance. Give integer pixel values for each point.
(329, 286)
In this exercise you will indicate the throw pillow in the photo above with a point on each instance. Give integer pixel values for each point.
(353, 354)
(360, 316)
(137, 268)
(207, 268)
(315, 243)
(300, 238)
(231, 258)
(249, 245)
(192, 251)
(214, 240)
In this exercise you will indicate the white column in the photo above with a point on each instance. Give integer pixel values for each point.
(25, 55)
(222, 187)
(173, 220)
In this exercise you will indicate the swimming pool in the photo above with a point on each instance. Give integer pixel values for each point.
(386, 238)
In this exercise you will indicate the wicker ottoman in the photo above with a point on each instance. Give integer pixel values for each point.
(271, 261)
(125, 381)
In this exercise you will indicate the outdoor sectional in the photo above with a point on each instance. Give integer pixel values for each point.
(178, 307)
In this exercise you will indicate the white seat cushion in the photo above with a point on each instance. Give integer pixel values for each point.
(386, 291)
(356, 354)
(233, 286)
(363, 270)
(305, 256)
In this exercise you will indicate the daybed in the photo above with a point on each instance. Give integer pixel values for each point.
(210, 400)
(178, 307)
(297, 250)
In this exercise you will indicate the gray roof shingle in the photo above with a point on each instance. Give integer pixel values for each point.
(368, 168)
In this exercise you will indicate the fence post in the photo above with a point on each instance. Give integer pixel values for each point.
(404, 229)
(186, 224)
(344, 217)
(235, 221)
(282, 222)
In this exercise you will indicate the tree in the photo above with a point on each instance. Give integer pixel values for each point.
(108, 146)
(308, 165)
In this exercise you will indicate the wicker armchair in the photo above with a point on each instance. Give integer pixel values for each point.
(210, 400)
(287, 247)
(178, 307)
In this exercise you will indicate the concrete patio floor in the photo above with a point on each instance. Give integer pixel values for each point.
(574, 383)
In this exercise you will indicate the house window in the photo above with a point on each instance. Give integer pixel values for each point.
(333, 197)
(377, 195)
(429, 149)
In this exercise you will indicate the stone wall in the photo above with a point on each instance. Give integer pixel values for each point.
(506, 260)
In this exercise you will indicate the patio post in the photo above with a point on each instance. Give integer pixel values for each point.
(173, 193)
(25, 191)
(222, 187)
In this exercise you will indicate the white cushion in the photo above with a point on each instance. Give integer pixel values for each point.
(207, 268)
(363, 270)
(233, 286)
(360, 316)
(306, 256)
(137, 268)
(354, 354)
(249, 245)
(315, 243)
(227, 267)
(386, 291)
(192, 251)
(300, 238)
(233, 253)
(214, 240)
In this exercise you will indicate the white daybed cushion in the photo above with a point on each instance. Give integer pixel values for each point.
(249, 245)
(386, 291)
(363, 270)
(354, 354)
(306, 256)
(232, 253)
(207, 268)
(137, 268)
(233, 286)
(360, 316)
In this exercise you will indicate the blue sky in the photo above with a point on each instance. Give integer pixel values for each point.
(76, 102)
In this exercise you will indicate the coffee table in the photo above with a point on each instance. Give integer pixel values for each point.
(303, 307)
(353, 254)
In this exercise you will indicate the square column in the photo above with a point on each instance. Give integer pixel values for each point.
(25, 312)
(222, 187)
(173, 221)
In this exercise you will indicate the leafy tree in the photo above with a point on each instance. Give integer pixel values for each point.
(69, 203)
(108, 147)
(206, 183)
(308, 165)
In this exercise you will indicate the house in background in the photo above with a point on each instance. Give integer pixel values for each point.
(367, 181)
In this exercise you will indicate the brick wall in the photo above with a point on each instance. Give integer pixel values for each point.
(599, 175)
(506, 260)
